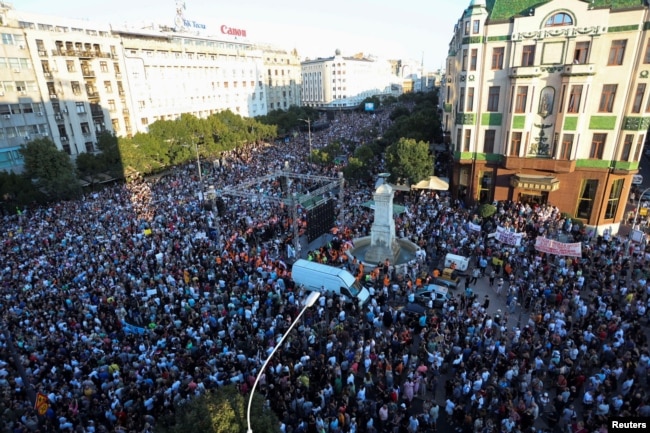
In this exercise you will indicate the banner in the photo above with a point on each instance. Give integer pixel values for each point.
(474, 227)
(550, 246)
(507, 237)
(42, 403)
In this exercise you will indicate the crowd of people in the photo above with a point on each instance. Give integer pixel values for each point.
(125, 304)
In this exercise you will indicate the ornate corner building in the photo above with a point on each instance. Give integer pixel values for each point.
(549, 102)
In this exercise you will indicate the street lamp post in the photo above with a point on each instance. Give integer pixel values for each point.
(311, 300)
(211, 195)
(308, 122)
(638, 208)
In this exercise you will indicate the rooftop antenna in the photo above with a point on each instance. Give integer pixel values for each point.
(179, 21)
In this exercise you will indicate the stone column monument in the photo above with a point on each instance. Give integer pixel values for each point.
(383, 244)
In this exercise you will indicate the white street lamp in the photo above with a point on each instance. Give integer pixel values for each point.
(311, 300)
(638, 208)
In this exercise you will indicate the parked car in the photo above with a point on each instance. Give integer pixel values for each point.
(438, 294)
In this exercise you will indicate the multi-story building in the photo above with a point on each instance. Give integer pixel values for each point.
(22, 112)
(548, 102)
(344, 82)
(283, 78)
(71, 79)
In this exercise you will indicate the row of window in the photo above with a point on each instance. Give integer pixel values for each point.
(615, 57)
(18, 86)
(25, 131)
(12, 39)
(24, 108)
(560, 149)
(15, 63)
(547, 99)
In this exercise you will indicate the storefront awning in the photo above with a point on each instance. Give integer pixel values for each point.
(537, 182)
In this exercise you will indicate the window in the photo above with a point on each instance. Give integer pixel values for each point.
(70, 65)
(586, 198)
(103, 66)
(639, 147)
(597, 146)
(617, 52)
(638, 98)
(464, 60)
(522, 97)
(467, 24)
(515, 143)
(476, 26)
(493, 98)
(646, 58)
(607, 98)
(614, 199)
(488, 142)
(581, 53)
(111, 105)
(473, 59)
(574, 98)
(528, 55)
(627, 147)
(76, 88)
(81, 107)
(85, 128)
(485, 187)
(461, 100)
(561, 19)
(144, 121)
(497, 58)
(141, 105)
(108, 87)
(470, 99)
(467, 142)
(567, 146)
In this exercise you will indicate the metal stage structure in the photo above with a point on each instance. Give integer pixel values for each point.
(295, 190)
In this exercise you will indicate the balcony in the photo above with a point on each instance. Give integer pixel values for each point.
(579, 69)
(58, 52)
(86, 54)
(47, 75)
(541, 164)
(97, 113)
(42, 53)
(92, 94)
(125, 112)
(88, 73)
(58, 117)
(525, 72)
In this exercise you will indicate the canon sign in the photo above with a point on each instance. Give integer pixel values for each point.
(233, 32)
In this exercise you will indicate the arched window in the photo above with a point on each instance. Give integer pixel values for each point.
(559, 19)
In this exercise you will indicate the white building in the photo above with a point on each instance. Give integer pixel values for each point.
(341, 82)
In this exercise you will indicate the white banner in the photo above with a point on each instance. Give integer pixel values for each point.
(550, 246)
(474, 227)
(507, 237)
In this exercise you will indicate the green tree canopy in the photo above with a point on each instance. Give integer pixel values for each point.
(220, 411)
(51, 170)
(409, 161)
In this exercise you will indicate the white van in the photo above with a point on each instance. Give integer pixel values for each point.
(462, 263)
(317, 277)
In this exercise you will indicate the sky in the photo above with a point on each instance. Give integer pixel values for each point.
(419, 29)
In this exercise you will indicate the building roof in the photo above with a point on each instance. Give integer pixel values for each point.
(506, 9)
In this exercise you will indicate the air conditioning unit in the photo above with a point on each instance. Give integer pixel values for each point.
(7, 116)
(40, 113)
(53, 96)
(58, 116)
(42, 53)
(64, 139)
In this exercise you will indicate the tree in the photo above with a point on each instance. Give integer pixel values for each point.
(220, 411)
(409, 161)
(50, 169)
